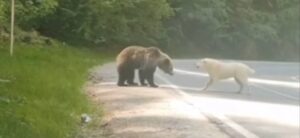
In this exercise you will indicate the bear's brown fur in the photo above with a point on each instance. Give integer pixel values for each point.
(162, 61)
(131, 58)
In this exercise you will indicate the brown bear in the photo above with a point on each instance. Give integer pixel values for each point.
(131, 58)
(162, 61)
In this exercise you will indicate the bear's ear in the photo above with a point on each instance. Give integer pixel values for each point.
(154, 52)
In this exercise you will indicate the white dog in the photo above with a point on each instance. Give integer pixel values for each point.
(218, 70)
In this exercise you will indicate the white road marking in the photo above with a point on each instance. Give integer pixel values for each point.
(275, 92)
(191, 73)
(296, 78)
(255, 80)
(249, 61)
(273, 82)
(212, 115)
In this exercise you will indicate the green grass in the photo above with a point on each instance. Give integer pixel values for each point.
(44, 98)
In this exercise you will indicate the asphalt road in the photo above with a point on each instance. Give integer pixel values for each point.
(270, 109)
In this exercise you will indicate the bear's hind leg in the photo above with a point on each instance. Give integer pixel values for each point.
(130, 78)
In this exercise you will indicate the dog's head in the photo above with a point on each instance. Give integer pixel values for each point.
(201, 63)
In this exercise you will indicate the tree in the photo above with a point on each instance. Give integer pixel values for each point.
(111, 21)
(253, 28)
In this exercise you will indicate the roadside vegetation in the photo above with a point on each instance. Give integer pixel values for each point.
(41, 94)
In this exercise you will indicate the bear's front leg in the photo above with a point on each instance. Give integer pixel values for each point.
(142, 77)
(121, 82)
(150, 77)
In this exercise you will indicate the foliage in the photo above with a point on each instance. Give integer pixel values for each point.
(3, 18)
(29, 13)
(43, 96)
(112, 21)
(254, 28)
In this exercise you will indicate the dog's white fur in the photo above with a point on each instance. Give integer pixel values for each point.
(219, 70)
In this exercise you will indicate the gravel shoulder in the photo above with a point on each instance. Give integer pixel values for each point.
(143, 112)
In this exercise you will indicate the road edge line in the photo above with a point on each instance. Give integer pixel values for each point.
(225, 124)
(274, 92)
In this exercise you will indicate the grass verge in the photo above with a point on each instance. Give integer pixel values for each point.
(41, 93)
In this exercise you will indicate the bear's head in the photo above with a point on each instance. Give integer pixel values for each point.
(151, 57)
(165, 64)
(153, 52)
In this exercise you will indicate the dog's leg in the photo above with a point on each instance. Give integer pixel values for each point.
(248, 89)
(209, 83)
(240, 84)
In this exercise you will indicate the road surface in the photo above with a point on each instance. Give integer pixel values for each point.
(270, 109)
